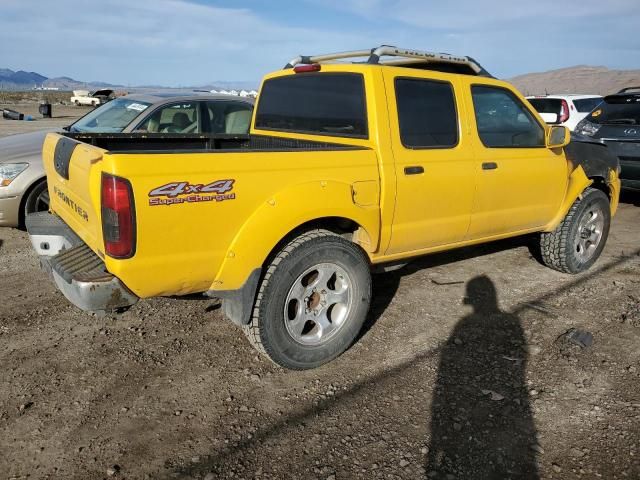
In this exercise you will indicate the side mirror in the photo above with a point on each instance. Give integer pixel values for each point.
(558, 137)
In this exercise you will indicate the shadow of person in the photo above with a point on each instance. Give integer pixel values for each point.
(481, 422)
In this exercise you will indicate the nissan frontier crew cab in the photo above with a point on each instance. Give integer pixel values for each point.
(386, 155)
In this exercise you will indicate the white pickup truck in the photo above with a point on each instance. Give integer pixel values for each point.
(97, 98)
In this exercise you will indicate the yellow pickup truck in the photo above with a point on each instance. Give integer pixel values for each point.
(354, 160)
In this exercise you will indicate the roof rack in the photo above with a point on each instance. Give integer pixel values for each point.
(402, 56)
(628, 89)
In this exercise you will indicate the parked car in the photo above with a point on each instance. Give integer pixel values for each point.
(347, 166)
(23, 187)
(99, 97)
(566, 110)
(616, 122)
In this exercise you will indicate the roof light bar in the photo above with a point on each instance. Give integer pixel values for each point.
(373, 57)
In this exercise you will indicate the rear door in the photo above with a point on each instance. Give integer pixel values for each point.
(520, 182)
(433, 160)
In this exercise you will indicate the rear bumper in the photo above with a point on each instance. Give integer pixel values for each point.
(76, 270)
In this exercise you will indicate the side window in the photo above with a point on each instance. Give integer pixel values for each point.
(224, 116)
(503, 121)
(180, 117)
(426, 113)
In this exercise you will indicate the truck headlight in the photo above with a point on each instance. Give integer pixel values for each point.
(9, 171)
(585, 127)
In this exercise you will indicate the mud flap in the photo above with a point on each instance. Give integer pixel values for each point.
(237, 304)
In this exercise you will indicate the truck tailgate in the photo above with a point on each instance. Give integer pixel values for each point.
(72, 167)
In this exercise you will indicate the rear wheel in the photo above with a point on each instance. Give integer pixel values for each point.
(578, 241)
(312, 301)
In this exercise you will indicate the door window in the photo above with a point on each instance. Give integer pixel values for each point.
(426, 113)
(503, 121)
(175, 118)
(223, 116)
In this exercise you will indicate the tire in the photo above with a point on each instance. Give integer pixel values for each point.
(312, 301)
(37, 199)
(578, 241)
(77, 103)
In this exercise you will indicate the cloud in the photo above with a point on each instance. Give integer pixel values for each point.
(180, 42)
(471, 14)
(510, 37)
(164, 41)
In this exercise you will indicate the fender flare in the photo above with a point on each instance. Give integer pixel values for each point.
(578, 182)
(237, 279)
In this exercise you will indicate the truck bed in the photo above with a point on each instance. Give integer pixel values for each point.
(184, 143)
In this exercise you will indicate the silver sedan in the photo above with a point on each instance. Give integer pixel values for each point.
(23, 185)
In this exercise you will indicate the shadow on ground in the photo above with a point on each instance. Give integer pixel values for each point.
(481, 420)
(385, 285)
(491, 335)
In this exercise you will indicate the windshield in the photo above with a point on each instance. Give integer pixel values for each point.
(110, 117)
(617, 110)
(585, 105)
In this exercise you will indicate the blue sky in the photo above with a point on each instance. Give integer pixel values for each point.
(194, 42)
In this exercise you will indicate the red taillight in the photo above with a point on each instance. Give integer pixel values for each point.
(310, 67)
(118, 217)
(564, 112)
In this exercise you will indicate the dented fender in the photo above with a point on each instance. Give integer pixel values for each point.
(578, 182)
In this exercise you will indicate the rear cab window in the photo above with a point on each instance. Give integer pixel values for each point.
(331, 104)
(547, 105)
(585, 105)
(617, 110)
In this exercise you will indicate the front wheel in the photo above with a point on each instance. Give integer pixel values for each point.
(312, 301)
(578, 241)
(37, 200)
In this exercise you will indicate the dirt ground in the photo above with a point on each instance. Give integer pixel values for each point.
(434, 388)
(463, 371)
(63, 115)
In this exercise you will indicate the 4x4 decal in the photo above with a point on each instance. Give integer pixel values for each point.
(183, 192)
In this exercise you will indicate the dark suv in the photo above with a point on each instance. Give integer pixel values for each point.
(616, 122)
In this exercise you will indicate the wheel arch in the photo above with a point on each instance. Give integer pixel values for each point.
(23, 201)
(238, 302)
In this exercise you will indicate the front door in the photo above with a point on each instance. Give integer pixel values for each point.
(433, 161)
(520, 182)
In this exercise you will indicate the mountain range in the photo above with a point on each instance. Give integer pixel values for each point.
(577, 79)
(21, 80)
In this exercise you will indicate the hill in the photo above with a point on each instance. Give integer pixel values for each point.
(11, 80)
(578, 79)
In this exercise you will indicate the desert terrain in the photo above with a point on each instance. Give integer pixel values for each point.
(63, 112)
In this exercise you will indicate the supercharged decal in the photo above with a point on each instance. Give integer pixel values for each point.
(183, 192)
(73, 205)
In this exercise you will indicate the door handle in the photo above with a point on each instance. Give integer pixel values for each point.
(414, 170)
(489, 165)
